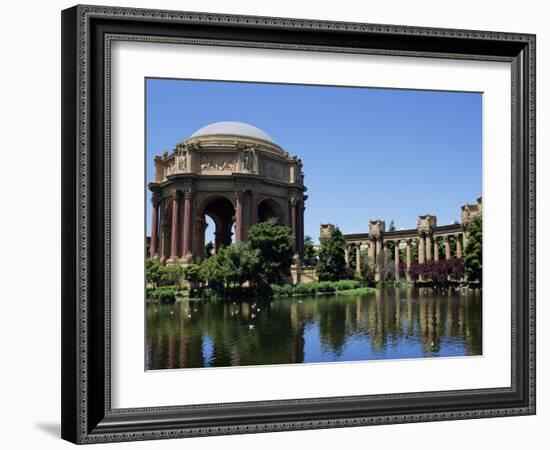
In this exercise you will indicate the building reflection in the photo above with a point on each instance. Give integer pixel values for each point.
(390, 323)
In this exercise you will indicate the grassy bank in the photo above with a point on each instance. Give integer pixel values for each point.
(168, 294)
(320, 287)
(358, 291)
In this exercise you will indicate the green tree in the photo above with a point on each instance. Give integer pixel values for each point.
(309, 250)
(390, 245)
(352, 256)
(153, 272)
(367, 274)
(170, 275)
(331, 265)
(473, 253)
(213, 270)
(275, 246)
(241, 264)
(208, 249)
(192, 273)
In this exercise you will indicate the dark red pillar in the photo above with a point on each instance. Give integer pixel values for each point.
(174, 230)
(253, 210)
(294, 223)
(187, 226)
(153, 251)
(300, 230)
(239, 225)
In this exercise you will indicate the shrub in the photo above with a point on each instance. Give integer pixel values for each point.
(170, 275)
(314, 287)
(192, 273)
(438, 272)
(343, 285)
(286, 290)
(275, 290)
(414, 271)
(164, 294)
(327, 287)
(305, 288)
(153, 272)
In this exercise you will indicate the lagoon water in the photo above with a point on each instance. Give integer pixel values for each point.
(388, 324)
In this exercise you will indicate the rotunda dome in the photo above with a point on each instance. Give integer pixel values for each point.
(233, 129)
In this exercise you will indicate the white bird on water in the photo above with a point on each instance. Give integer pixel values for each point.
(250, 327)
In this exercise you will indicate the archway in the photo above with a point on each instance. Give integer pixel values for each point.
(270, 209)
(222, 214)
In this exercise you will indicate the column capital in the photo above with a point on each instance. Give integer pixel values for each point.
(155, 201)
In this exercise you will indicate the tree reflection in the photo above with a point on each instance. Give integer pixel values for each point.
(391, 323)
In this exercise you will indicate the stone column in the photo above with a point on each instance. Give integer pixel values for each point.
(358, 258)
(378, 247)
(396, 257)
(239, 225)
(447, 248)
(371, 253)
(163, 238)
(409, 258)
(379, 259)
(293, 222)
(428, 247)
(174, 231)
(154, 228)
(436, 249)
(300, 209)
(254, 210)
(187, 225)
(458, 247)
(421, 249)
(346, 254)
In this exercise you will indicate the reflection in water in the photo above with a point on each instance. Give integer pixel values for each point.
(387, 324)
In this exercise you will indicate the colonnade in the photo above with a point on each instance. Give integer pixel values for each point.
(178, 224)
(179, 210)
(426, 243)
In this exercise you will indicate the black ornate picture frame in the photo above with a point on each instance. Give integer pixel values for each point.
(87, 414)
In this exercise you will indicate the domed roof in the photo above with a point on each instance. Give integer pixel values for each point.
(234, 129)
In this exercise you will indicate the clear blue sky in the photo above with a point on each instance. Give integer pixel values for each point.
(368, 153)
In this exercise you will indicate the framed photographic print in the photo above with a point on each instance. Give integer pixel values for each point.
(281, 224)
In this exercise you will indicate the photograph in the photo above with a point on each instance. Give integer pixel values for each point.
(299, 224)
(277, 220)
